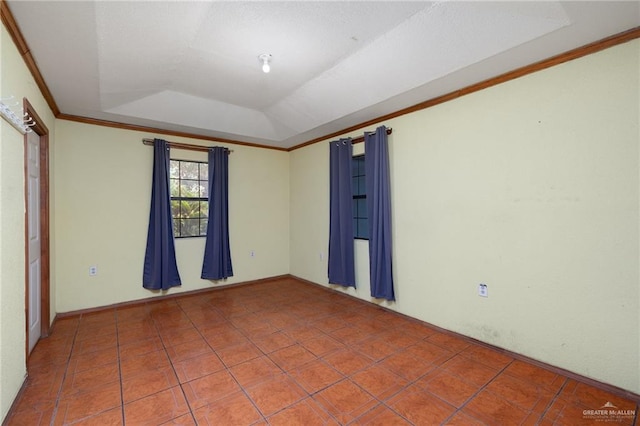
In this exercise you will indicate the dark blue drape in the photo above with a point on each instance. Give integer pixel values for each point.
(341, 256)
(376, 163)
(217, 253)
(160, 267)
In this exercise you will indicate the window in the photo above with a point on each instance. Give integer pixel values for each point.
(189, 183)
(360, 220)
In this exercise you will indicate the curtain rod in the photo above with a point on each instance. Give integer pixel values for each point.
(190, 147)
(361, 138)
(180, 145)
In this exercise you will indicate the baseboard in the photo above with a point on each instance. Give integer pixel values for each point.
(139, 302)
(557, 370)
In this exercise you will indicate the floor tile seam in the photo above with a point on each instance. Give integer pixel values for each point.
(184, 395)
(582, 403)
(388, 397)
(120, 371)
(555, 398)
(343, 376)
(266, 417)
(475, 360)
(275, 350)
(383, 404)
(415, 382)
(442, 346)
(528, 411)
(308, 396)
(277, 364)
(251, 338)
(56, 407)
(227, 369)
(173, 369)
(243, 390)
(499, 371)
(558, 397)
(420, 377)
(359, 387)
(199, 333)
(164, 348)
(482, 388)
(379, 364)
(457, 409)
(532, 382)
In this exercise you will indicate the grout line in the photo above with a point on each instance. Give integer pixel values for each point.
(115, 313)
(552, 400)
(173, 368)
(64, 375)
(483, 387)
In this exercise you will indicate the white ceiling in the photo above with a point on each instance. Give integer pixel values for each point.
(192, 66)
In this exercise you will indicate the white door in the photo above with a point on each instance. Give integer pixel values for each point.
(33, 219)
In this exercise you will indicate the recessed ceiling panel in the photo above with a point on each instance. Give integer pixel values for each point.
(192, 66)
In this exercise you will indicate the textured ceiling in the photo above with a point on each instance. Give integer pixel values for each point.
(192, 66)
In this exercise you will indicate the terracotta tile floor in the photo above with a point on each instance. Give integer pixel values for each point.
(284, 353)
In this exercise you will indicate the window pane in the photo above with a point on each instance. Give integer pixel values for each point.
(174, 168)
(204, 171)
(190, 227)
(189, 170)
(204, 193)
(173, 187)
(190, 209)
(204, 209)
(363, 229)
(175, 208)
(203, 226)
(362, 208)
(358, 166)
(176, 227)
(189, 188)
(358, 185)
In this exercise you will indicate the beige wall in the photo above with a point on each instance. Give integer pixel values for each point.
(531, 187)
(15, 80)
(103, 192)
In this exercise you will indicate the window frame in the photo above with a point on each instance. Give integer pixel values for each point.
(359, 196)
(177, 220)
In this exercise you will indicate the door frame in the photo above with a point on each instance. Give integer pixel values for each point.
(41, 130)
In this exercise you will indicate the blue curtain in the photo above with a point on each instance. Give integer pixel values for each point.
(160, 267)
(217, 253)
(376, 163)
(341, 256)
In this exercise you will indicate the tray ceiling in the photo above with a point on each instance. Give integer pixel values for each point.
(192, 66)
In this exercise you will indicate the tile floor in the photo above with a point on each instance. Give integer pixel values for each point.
(284, 353)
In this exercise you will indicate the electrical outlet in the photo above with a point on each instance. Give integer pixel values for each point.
(93, 271)
(253, 253)
(483, 290)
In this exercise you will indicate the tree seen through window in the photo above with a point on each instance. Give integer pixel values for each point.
(189, 186)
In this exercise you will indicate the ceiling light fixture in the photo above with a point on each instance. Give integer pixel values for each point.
(265, 58)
